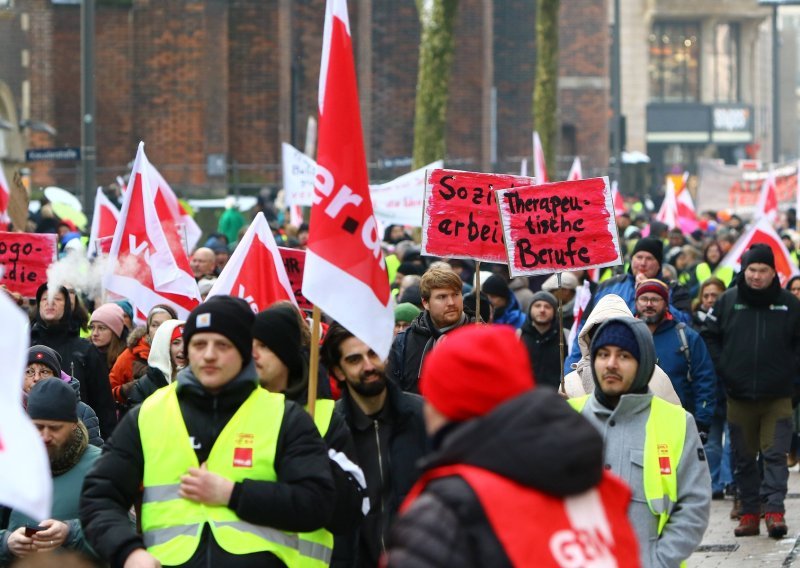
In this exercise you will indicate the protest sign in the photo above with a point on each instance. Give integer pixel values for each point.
(559, 226)
(460, 216)
(399, 202)
(25, 258)
(298, 175)
(294, 261)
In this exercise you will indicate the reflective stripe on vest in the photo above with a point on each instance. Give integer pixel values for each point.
(665, 434)
(245, 449)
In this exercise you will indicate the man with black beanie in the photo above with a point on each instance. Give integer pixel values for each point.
(753, 336)
(228, 469)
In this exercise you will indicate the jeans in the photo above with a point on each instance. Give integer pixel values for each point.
(718, 451)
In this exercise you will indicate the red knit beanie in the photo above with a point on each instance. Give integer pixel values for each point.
(475, 368)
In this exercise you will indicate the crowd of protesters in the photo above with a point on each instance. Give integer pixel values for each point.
(471, 445)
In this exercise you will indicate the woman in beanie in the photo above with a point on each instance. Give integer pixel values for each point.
(132, 364)
(108, 332)
(163, 363)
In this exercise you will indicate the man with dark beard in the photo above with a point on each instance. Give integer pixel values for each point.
(388, 431)
(52, 407)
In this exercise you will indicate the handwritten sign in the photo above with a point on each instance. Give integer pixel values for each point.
(460, 216)
(25, 258)
(294, 260)
(555, 227)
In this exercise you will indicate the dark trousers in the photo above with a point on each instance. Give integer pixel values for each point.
(765, 427)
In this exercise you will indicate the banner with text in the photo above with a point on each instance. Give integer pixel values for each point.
(723, 186)
(399, 202)
(298, 175)
(561, 226)
(460, 216)
(25, 258)
(294, 260)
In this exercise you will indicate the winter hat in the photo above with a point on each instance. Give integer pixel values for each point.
(477, 368)
(758, 253)
(47, 357)
(496, 286)
(545, 297)
(568, 281)
(126, 307)
(112, 316)
(651, 245)
(277, 327)
(655, 286)
(176, 333)
(407, 268)
(226, 315)
(406, 312)
(53, 399)
(618, 334)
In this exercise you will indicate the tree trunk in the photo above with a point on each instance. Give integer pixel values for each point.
(437, 18)
(545, 90)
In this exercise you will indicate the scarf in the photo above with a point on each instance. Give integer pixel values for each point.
(758, 298)
(68, 456)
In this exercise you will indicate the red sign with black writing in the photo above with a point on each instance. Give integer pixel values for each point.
(561, 226)
(25, 258)
(294, 260)
(460, 218)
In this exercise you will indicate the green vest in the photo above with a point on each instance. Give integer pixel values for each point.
(703, 273)
(245, 449)
(665, 434)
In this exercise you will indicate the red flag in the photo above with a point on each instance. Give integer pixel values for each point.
(668, 213)
(761, 231)
(5, 198)
(576, 171)
(255, 271)
(539, 164)
(104, 224)
(767, 205)
(147, 263)
(345, 273)
(687, 214)
(616, 197)
(168, 205)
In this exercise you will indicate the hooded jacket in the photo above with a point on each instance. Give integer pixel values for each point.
(511, 314)
(580, 381)
(159, 364)
(131, 364)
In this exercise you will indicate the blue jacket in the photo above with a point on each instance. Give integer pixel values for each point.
(700, 395)
(512, 313)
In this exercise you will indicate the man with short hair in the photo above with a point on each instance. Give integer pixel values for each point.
(52, 407)
(753, 335)
(651, 444)
(228, 469)
(443, 305)
(203, 263)
(388, 431)
(542, 335)
(506, 306)
(681, 353)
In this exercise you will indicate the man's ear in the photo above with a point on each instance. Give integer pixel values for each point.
(425, 304)
(337, 372)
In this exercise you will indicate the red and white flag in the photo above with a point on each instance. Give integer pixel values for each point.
(668, 213)
(761, 231)
(539, 164)
(616, 197)
(104, 224)
(345, 273)
(168, 206)
(687, 214)
(25, 480)
(255, 271)
(147, 263)
(583, 296)
(5, 199)
(575, 172)
(767, 204)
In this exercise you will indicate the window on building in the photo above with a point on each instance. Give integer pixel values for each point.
(726, 63)
(674, 66)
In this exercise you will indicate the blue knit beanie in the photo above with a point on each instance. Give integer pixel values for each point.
(618, 334)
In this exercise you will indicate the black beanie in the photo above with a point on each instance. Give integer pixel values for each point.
(277, 327)
(496, 286)
(47, 357)
(759, 253)
(226, 315)
(651, 245)
(53, 399)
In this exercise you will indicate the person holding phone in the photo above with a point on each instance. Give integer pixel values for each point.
(52, 407)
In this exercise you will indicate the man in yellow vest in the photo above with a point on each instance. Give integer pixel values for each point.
(652, 444)
(231, 472)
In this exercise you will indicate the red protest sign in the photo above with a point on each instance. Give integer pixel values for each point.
(294, 260)
(460, 219)
(25, 258)
(555, 227)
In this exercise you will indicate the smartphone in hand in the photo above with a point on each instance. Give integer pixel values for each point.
(31, 530)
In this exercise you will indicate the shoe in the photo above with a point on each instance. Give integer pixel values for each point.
(749, 526)
(718, 495)
(791, 460)
(736, 510)
(776, 525)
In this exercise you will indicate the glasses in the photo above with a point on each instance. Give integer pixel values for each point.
(650, 301)
(43, 373)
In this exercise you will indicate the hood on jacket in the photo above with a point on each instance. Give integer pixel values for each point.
(159, 356)
(647, 354)
(535, 439)
(608, 307)
(65, 319)
(136, 335)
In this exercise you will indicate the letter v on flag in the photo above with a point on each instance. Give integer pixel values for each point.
(255, 271)
(345, 274)
(147, 263)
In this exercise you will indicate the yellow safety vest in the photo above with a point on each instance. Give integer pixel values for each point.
(245, 449)
(724, 273)
(665, 434)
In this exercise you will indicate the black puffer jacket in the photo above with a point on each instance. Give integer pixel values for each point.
(544, 352)
(300, 501)
(536, 440)
(86, 415)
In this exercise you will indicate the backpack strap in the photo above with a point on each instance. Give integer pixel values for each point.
(681, 329)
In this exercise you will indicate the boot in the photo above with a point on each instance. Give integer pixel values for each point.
(736, 510)
(791, 459)
(776, 525)
(749, 526)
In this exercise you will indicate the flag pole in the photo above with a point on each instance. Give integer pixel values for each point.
(313, 364)
(561, 331)
(478, 291)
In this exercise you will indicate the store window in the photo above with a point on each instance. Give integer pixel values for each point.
(726, 63)
(674, 66)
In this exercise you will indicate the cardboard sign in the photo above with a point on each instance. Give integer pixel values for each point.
(25, 258)
(294, 260)
(460, 216)
(559, 226)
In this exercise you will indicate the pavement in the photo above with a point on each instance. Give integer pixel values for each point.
(721, 549)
